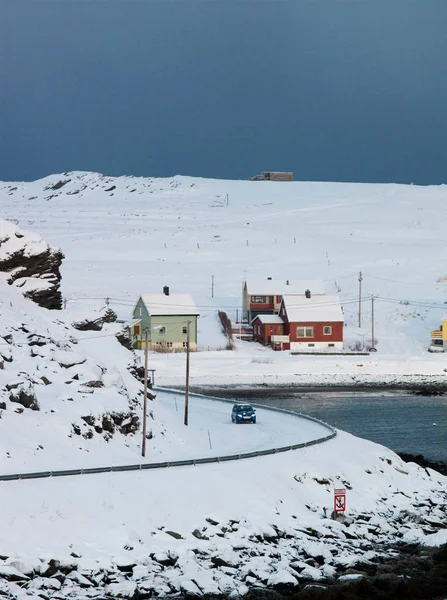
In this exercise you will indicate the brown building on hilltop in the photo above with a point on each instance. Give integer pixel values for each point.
(273, 176)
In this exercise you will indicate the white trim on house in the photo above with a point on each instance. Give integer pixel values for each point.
(315, 346)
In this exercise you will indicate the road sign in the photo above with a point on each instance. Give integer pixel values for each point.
(339, 500)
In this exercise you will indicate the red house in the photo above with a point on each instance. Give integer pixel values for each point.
(312, 322)
(263, 296)
(264, 326)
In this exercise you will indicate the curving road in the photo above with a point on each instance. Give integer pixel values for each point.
(210, 420)
(210, 436)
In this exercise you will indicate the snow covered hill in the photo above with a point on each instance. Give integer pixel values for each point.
(218, 529)
(123, 236)
(69, 399)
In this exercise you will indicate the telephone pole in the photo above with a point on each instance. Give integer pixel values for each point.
(372, 323)
(360, 299)
(146, 350)
(187, 373)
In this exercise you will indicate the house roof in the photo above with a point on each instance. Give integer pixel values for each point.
(269, 319)
(284, 286)
(174, 304)
(315, 309)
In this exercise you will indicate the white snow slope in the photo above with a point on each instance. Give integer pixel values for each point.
(267, 519)
(124, 236)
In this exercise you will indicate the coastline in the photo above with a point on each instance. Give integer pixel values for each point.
(251, 391)
(423, 389)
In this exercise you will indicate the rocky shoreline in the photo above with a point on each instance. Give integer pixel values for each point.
(365, 555)
(420, 460)
(413, 571)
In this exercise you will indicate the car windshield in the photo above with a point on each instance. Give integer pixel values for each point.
(243, 407)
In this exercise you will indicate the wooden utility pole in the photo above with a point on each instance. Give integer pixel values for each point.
(372, 323)
(146, 351)
(187, 373)
(360, 299)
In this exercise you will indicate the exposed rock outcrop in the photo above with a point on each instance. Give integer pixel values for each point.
(25, 396)
(31, 264)
(96, 322)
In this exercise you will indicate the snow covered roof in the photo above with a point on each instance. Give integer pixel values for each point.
(174, 304)
(270, 319)
(284, 286)
(314, 309)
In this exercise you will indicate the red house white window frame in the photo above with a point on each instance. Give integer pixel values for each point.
(304, 331)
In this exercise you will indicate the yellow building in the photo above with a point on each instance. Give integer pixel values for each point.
(438, 338)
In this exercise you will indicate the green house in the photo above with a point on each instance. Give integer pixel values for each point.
(165, 317)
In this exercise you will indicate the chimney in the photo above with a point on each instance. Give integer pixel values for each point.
(308, 294)
(287, 282)
(166, 290)
(269, 278)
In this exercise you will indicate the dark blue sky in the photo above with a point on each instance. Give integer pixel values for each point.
(341, 90)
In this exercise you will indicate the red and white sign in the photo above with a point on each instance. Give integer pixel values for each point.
(339, 500)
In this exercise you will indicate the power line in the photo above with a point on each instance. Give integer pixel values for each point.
(212, 307)
(406, 282)
(418, 303)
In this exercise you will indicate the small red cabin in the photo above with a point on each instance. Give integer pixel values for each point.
(264, 326)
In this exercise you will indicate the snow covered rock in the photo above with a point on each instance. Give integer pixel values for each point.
(124, 589)
(11, 574)
(26, 396)
(282, 580)
(79, 579)
(31, 264)
(95, 321)
(68, 359)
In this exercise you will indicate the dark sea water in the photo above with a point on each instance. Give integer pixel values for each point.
(402, 422)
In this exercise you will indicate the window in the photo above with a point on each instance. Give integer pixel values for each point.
(327, 330)
(270, 299)
(311, 345)
(305, 332)
(169, 344)
(184, 330)
(141, 311)
(331, 345)
(185, 345)
(278, 299)
(258, 299)
(162, 330)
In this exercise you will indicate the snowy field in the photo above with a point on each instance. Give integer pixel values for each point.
(229, 527)
(124, 236)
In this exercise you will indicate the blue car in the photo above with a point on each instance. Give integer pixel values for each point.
(243, 413)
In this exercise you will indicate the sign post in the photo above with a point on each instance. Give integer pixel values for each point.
(339, 500)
